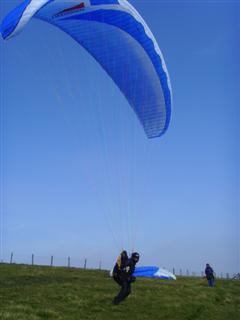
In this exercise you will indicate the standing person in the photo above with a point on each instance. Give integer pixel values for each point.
(209, 275)
(123, 274)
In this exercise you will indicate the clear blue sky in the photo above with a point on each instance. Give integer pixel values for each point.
(79, 177)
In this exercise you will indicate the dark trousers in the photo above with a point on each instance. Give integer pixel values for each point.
(211, 281)
(125, 289)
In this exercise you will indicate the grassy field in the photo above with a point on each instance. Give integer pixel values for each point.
(31, 293)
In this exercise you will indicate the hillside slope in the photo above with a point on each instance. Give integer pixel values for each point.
(32, 293)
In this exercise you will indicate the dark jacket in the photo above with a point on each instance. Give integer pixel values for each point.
(209, 272)
(125, 269)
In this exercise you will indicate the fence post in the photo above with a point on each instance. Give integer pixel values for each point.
(100, 265)
(68, 262)
(32, 259)
(173, 271)
(11, 259)
(51, 261)
(85, 263)
(187, 272)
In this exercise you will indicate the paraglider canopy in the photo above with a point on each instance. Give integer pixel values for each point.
(151, 272)
(115, 34)
(154, 272)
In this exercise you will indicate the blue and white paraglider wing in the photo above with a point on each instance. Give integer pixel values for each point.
(154, 272)
(165, 274)
(115, 34)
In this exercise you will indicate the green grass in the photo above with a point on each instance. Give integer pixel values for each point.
(32, 293)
